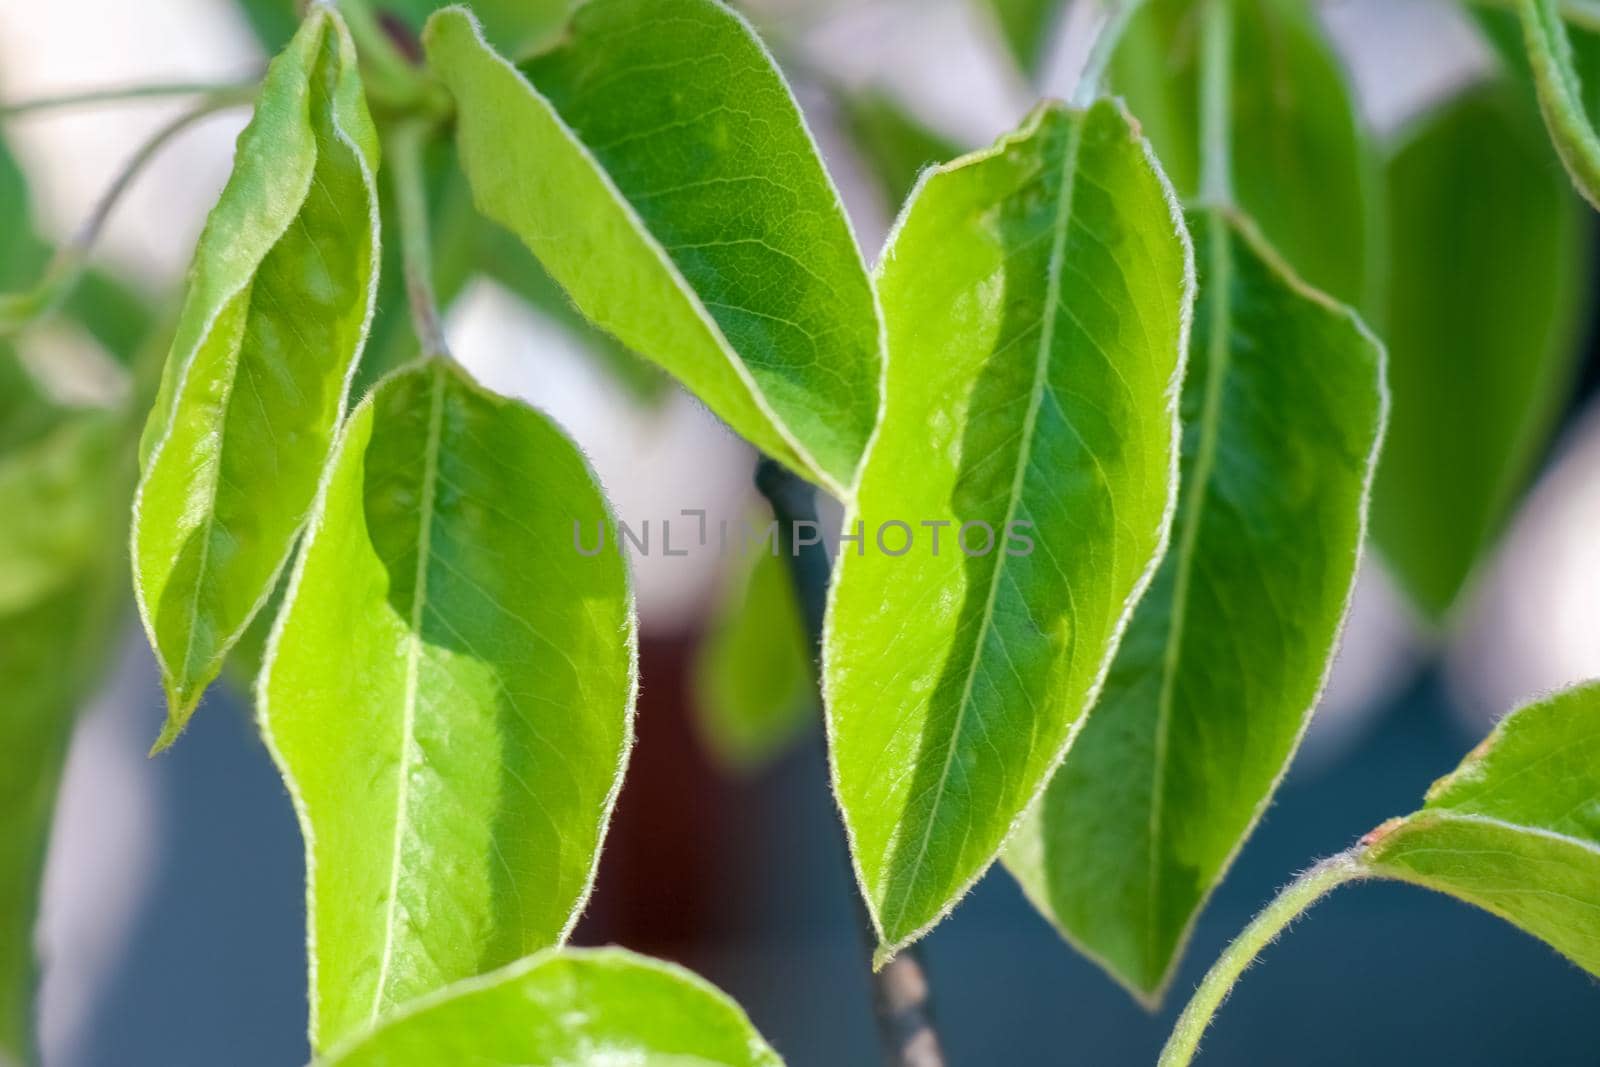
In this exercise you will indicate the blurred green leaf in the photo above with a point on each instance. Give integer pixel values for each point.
(1299, 158)
(591, 1006)
(448, 693)
(1026, 28)
(754, 688)
(1482, 353)
(713, 241)
(895, 146)
(58, 503)
(1036, 296)
(276, 314)
(1226, 656)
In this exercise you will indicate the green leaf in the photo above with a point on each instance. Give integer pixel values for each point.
(449, 694)
(896, 146)
(1283, 410)
(58, 504)
(573, 1007)
(754, 693)
(1293, 124)
(279, 298)
(1037, 298)
(1516, 828)
(1566, 73)
(1025, 28)
(712, 241)
(1481, 356)
(52, 654)
(521, 27)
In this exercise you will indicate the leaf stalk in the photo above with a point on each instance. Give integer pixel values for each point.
(404, 148)
(1288, 905)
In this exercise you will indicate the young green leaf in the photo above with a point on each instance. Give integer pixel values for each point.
(754, 692)
(588, 1006)
(1514, 830)
(1037, 296)
(449, 694)
(712, 240)
(1292, 124)
(1481, 356)
(1283, 409)
(279, 300)
(1566, 72)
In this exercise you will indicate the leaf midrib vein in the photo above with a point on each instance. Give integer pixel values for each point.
(1063, 221)
(419, 596)
(1218, 354)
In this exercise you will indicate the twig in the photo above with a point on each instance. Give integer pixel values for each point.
(127, 94)
(404, 147)
(17, 310)
(901, 997)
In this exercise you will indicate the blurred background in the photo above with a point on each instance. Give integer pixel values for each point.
(173, 914)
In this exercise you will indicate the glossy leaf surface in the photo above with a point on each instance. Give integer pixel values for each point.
(448, 693)
(574, 1007)
(1489, 253)
(1037, 298)
(1283, 409)
(1293, 125)
(1516, 828)
(754, 692)
(1566, 71)
(279, 298)
(712, 240)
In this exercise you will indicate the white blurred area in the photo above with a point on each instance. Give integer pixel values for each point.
(1535, 626)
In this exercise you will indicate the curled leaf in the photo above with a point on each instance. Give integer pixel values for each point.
(280, 296)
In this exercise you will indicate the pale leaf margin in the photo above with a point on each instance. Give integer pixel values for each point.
(347, 55)
(302, 813)
(840, 490)
(884, 952)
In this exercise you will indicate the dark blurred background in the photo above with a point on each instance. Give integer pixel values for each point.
(174, 918)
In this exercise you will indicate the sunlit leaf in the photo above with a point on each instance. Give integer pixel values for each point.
(1299, 158)
(1516, 828)
(449, 694)
(279, 297)
(1037, 298)
(604, 1006)
(1482, 353)
(711, 238)
(1283, 409)
(754, 688)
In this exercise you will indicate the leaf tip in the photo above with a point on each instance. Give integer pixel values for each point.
(181, 705)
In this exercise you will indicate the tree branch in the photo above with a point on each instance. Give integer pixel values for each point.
(901, 997)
